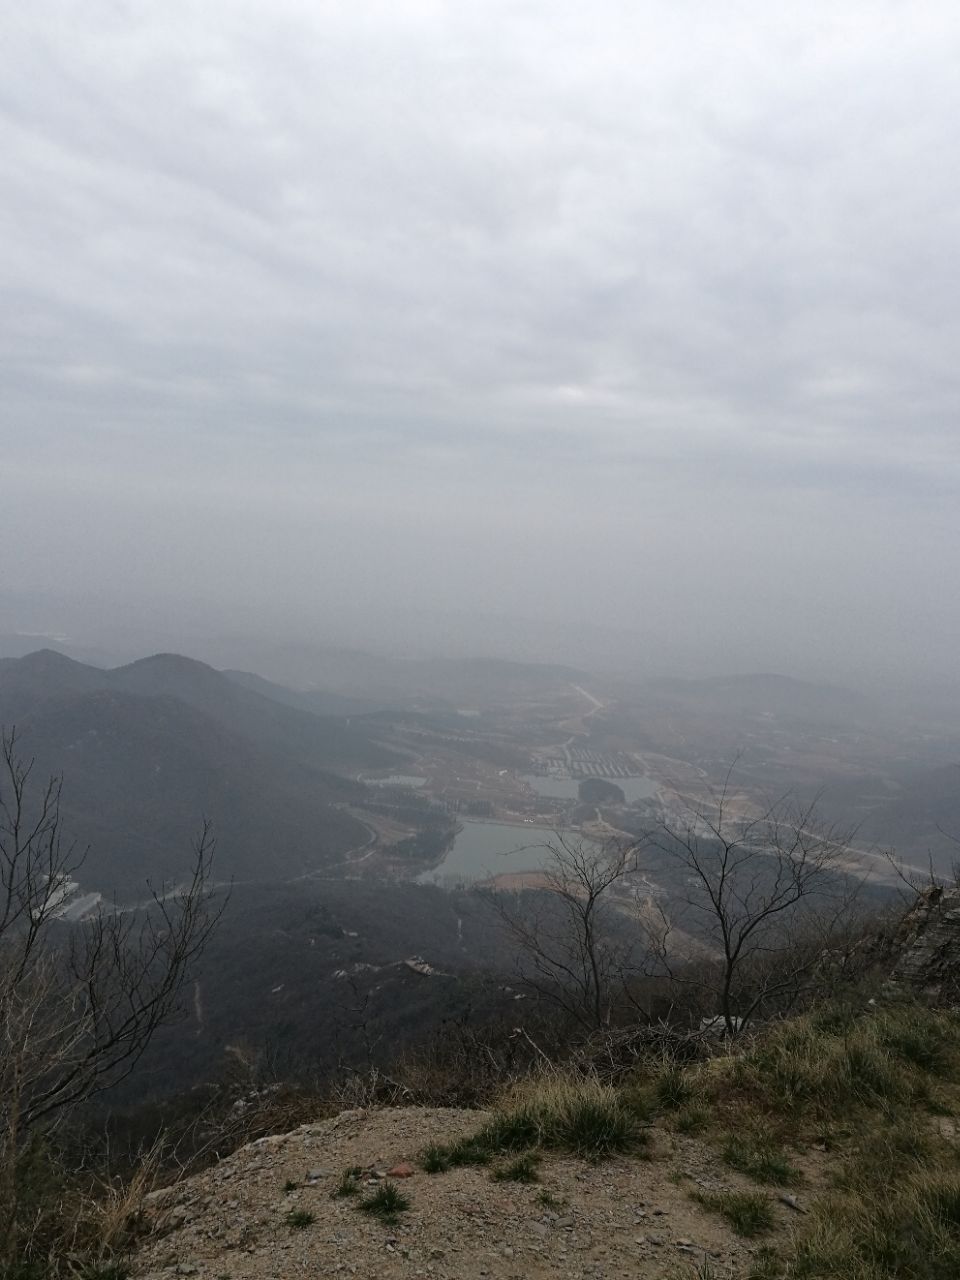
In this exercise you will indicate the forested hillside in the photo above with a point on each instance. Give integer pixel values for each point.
(149, 750)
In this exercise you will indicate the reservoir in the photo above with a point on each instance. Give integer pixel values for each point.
(485, 849)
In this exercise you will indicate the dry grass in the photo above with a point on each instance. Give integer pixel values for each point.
(757, 1155)
(748, 1212)
(908, 1228)
(866, 1084)
(117, 1213)
(894, 1210)
(90, 1222)
(862, 1083)
(576, 1114)
(816, 1065)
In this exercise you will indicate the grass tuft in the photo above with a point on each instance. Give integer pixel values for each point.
(691, 1120)
(435, 1158)
(911, 1229)
(748, 1213)
(640, 1101)
(469, 1152)
(515, 1129)
(522, 1169)
(921, 1041)
(767, 1264)
(672, 1088)
(578, 1115)
(596, 1128)
(582, 1116)
(300, 1219)
(349, 1184)
(386, 1203)
(760, 1159)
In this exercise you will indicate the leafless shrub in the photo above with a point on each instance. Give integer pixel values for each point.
(567, 952)
(78, 1004)
(767, 895)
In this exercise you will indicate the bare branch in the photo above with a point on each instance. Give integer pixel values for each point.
(755, 885)
(78, 1004)
(568, 953)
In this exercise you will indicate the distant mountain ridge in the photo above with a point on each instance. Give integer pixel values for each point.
(319, 701)
(767, 693)
(327, 739)
(385, 682)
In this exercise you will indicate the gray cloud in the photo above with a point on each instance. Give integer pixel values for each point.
(639, 310)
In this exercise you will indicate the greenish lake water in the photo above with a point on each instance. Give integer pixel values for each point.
(485, 849)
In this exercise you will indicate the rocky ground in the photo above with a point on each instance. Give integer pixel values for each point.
(626, 1217)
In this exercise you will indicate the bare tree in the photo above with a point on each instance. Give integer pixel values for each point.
(568, 951)
(79, 1003)
(767, 894)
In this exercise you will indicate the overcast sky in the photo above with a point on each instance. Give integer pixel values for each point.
(329, 317)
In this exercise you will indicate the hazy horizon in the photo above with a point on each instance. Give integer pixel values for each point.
(613, 336)
(302, 661)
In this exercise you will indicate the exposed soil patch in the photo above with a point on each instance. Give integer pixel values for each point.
(626, 1217)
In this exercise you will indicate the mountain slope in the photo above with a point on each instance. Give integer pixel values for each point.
(41, 677)
(142, 773)
(149, 750)
(325, 741)
(767, 694)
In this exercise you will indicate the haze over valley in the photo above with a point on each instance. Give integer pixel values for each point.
(347, 811)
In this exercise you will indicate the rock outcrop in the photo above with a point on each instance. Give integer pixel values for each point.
(928, 943)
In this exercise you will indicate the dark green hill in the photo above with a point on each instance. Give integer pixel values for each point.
(141, 773)
(323, 740)
(148, 750)
(27, 682)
